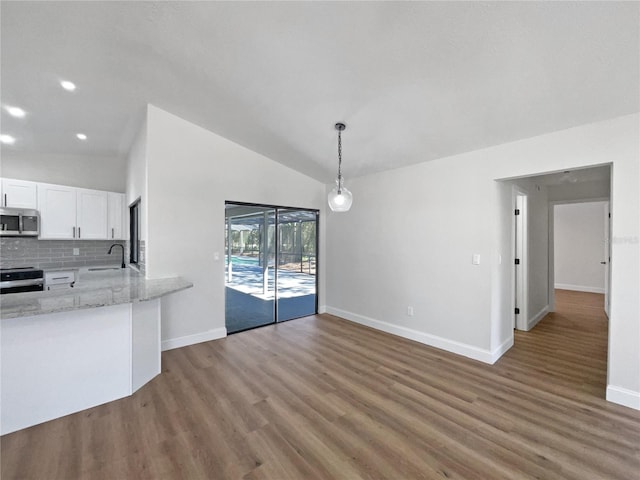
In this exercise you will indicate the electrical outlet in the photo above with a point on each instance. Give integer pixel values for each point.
(410, 311)
(76, 251)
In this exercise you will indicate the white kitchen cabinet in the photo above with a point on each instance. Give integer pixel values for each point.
(68, 213)
(57, 206)
(61, 363)
(19, 193)
(91, 214)
(117, 225)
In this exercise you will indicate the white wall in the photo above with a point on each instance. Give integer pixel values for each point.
(538, 232)
(580, 191)
(411, 233)
(408, 240)
(579, 246)
(502, 293)
(190, 174)
(100, 173)
(137, 176)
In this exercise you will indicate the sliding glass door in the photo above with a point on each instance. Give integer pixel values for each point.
(296, 271)
(265, 284)
(250, 261)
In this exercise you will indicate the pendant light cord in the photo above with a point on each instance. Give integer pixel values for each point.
(339, 161)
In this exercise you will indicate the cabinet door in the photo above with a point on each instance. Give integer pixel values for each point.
(92, 214)
(57, 205)
(19, 193)
(116, 228)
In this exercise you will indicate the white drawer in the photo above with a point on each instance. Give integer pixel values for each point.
(59, 278)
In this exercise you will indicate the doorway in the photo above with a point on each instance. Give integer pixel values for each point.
(271, 264)
(581, 247)
(580, 304)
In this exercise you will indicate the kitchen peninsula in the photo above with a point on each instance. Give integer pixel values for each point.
(67, 350)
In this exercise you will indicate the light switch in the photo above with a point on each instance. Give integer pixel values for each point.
(76, 251)
(476, 259)
(216, 256)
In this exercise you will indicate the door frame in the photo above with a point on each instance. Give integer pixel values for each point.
(551, 247)
(607, 256)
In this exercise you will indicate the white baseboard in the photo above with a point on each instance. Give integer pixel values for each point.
(502, 348)
(623, 396)
(537, 317)
(171, 343)
(459, 348)
(578, 288)
(322, 309)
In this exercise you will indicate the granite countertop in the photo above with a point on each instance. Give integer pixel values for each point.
(92, 289)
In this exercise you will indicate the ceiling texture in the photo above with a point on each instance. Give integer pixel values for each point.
(413, 81)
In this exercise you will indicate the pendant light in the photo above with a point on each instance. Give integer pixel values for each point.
(340, 199)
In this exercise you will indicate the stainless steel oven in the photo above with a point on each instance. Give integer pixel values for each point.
(21, 279)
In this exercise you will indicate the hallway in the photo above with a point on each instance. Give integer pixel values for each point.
(567, 349)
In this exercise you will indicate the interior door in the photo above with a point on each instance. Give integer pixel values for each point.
(519, 317)
(607, 256)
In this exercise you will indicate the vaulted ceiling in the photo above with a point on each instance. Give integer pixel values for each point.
(413, 81)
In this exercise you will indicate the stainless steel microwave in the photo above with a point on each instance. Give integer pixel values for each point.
(19, 222)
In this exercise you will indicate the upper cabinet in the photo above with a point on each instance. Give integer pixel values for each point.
(116, 228)
(69, 213)
(91, 214)
(19, 193)
(57, 205)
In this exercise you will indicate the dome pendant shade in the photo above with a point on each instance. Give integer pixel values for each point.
(340, 199)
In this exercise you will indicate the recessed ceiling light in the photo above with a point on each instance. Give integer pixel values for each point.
(67, 85)
(81, 136)
(7, 139)
(15, 111)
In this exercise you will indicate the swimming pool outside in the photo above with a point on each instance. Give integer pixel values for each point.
(237, 260)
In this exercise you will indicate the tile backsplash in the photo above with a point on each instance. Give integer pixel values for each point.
(142, 258)
(45, 254)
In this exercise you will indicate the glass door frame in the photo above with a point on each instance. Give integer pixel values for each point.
(276, 209)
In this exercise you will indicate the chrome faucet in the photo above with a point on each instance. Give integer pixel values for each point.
(121, 246)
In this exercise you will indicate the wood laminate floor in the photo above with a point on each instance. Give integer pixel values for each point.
(323, 398)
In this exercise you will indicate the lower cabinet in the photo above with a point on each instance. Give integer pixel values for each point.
(62, 363)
